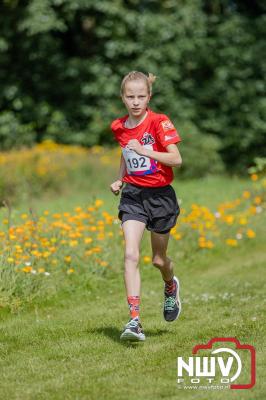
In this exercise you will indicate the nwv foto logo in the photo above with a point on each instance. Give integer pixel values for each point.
(223, 362)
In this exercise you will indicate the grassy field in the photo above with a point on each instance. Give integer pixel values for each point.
(64, 344)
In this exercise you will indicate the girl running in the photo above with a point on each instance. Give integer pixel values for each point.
(148, 143)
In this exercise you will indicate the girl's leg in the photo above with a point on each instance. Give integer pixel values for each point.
(172, 304)
(133, 232)
(159, 243)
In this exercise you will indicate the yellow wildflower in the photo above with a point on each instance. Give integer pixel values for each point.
(254, 177)
(209, 244)
(96, 249)
(231, 242)
(257, 200)
(100, 236)
(27, 269)
(146, 259)
(250, 234)
(103, 263)
(246, 194)
(229, 219)
(98, 203)
(73, 243)
(70, 271)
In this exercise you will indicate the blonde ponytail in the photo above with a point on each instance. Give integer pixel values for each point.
(151, 78)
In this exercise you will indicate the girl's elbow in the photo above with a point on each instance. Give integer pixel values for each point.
(178, 162)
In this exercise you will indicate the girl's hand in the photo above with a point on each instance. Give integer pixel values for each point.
(116, 186)
(135, 145)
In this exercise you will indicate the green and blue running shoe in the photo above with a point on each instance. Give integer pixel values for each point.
(133, 331)
(172, 303)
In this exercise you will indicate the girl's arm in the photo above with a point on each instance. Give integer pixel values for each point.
(172, 158)
(122, 168)
(118, 184)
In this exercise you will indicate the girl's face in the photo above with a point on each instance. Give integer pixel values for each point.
(136, 98)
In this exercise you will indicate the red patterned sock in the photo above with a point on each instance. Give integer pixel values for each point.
(170, 286)
(133, 304)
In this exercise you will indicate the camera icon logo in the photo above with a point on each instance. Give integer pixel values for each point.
(226, 364)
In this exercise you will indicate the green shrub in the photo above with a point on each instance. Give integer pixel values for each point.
(199, 153)
(13, 133)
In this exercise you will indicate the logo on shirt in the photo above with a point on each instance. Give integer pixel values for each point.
(170, 137)
(147, 138)
(167, 125)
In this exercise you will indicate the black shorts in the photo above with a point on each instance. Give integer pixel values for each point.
(157, 207)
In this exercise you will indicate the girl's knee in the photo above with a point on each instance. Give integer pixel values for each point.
(159, 262)
(132, 255)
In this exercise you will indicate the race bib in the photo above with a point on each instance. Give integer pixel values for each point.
(137, 164)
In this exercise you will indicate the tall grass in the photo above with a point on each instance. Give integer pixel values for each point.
(55, 238)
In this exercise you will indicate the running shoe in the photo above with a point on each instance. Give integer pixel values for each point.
(172, 303)
(133, 331)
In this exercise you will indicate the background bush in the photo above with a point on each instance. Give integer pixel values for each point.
(200, 152)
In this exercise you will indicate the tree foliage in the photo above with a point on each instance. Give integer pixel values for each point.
(61, 63)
